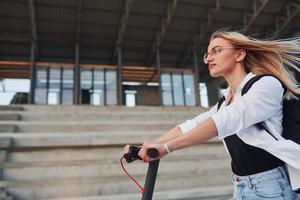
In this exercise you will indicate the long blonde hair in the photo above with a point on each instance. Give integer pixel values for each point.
(273, 57)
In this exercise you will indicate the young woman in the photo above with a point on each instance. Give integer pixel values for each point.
(257, 159)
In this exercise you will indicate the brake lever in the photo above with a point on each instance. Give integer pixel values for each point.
(132, 154)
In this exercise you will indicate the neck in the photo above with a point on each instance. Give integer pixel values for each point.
(235, 77)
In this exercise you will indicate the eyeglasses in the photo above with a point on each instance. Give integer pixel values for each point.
(214, 52)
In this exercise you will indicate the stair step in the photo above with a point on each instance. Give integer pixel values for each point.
(145, 109)
(71, 140)
(105, 133)
(8, 128)
(110, 123)
(83, 126)
(78, 139)
(208, 150)
(11, 108)
(85, 169)
(5, 142)
(206, 193)
(106, 116)
(4, 194)
(9, 116)
(65, 188)
(3, 153)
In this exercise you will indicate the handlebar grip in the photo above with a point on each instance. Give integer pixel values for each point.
(153, 153)
(132, 154)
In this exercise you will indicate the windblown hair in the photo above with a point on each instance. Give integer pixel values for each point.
(274, 57)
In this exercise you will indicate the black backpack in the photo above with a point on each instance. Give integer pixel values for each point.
(291, 113)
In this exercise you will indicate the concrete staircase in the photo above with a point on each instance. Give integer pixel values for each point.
(72, 152)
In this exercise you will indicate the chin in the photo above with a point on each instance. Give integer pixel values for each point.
(215, 75)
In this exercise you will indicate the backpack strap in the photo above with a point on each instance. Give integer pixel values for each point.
(249, 84)
(246, 88)
(220, 102)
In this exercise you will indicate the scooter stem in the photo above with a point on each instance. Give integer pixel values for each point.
(150, 180)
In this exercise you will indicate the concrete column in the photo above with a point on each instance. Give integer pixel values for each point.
(77, 76)
(159, 74)
(119, 77)
(196, 79)
(32, 73)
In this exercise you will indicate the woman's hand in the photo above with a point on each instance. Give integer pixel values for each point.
(146, 146)
(126, 149)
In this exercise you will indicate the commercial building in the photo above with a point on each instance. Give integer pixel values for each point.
(104, 52)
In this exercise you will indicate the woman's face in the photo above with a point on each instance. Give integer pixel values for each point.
(220, 57)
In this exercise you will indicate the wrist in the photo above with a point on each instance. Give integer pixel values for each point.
(168, 150)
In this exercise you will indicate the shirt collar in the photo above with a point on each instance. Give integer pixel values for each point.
(241, 85)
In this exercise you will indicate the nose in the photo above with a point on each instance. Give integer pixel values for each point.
(209, 58)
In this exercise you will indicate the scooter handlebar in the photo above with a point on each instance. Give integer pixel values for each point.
(133, 151)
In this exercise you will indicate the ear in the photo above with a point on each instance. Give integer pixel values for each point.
(240, 55)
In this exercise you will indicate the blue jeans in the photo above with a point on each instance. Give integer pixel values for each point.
(272, 184)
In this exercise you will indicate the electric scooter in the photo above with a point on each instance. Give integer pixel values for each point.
(131, 156)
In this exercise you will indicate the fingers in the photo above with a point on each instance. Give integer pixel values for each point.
(146, 146)
(143, 153)
(126, 149)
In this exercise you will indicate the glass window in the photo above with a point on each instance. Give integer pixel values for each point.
(94, 83)
(86, 85)
(96, 99)
(40, 95)
(53, 98)
(67, 85)
(189, 90)
(111, 87)
(67, 97)
(178, 89)
(166, 89)
(61, 81)
(41, 86)
(68, 78)
(98, 92)
(86, 79)
(41, 79)
(54, 78)
(54, 86)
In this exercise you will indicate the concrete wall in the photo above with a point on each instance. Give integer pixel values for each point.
(146, 95)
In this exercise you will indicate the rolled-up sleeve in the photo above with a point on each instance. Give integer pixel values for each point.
(192, 123)
(261, 102)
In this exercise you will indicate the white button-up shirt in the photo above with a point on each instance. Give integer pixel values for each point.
(262, 103)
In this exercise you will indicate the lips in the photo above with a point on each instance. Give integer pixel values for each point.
(211, 66)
